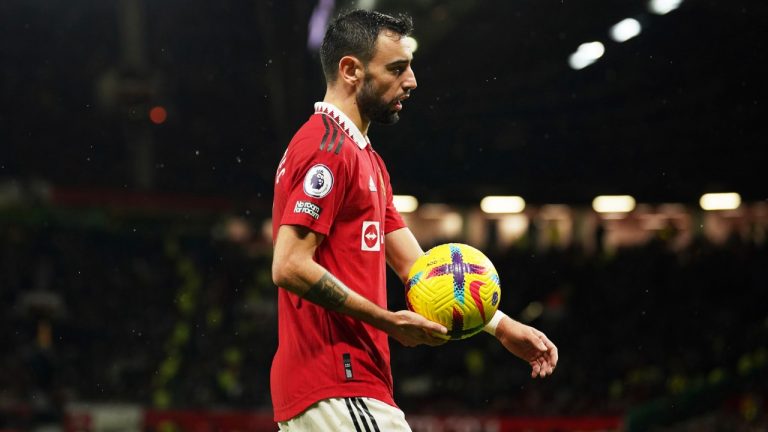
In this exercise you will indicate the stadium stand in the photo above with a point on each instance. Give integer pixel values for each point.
(172, 314)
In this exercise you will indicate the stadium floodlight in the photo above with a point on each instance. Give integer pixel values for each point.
(613, 204)
(586, 54)
(625, 30)
(532, 311)
(663, 7)
(502, 204)
(405, 203)
(720, 201)
(366, 4)
(412, 42)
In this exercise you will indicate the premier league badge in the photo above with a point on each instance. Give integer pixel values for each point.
(318, 181)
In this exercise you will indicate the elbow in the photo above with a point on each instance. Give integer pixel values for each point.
(288, 272)
(281, 273)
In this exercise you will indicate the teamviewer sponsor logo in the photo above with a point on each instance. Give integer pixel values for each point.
(371, 236)
(309, 208)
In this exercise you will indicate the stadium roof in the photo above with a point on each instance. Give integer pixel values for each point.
(667, 115)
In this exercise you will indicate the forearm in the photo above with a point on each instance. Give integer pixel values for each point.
(402, 251)
(314, 283)
(502, 326)
(294, 269)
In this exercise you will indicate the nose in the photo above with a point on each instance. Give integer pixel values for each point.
(410, 80)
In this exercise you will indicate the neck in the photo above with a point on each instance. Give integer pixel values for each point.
(347, 103)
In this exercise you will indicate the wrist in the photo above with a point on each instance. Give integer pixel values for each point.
(383, 319)
(493, 324)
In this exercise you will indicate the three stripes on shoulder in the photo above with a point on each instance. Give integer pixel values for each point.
(336, 139)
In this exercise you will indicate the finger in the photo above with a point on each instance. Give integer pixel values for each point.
(539, 341)
(435, 339)
(546, 341)
(535, 368)
(552, 354)
(546, 367)
(552, 366)
(548, 370)
(434, 327)
(555, 356)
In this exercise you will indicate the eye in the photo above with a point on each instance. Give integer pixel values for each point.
(399, 68)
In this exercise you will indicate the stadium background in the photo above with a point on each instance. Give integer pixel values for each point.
(138, 142)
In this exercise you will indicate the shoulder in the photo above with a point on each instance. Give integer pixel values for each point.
(311, 129)
(321, 137)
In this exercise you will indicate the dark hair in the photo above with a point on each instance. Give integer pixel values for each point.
(355, 33)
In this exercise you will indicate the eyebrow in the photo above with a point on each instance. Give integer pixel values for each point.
(398, 63)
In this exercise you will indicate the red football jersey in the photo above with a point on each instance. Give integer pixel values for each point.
(331, 181)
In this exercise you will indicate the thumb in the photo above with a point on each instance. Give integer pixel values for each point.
(436, 327)
(541, 345)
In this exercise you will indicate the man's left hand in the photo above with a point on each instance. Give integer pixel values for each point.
(530, 345)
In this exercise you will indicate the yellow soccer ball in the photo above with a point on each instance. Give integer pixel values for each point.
(455, 285)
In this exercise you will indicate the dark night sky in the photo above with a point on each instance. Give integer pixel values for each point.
(668, 115)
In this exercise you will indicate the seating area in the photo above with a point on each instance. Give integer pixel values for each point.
(165, 317)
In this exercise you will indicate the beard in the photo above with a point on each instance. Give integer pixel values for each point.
(373, 108)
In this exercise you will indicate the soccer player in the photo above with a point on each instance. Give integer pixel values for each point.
(335, 230)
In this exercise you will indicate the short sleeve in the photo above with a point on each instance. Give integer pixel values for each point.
(393, 221)
(317, 188)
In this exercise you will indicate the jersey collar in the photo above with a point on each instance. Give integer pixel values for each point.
(342, 120)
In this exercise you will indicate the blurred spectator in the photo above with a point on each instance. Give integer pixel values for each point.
(91, 313)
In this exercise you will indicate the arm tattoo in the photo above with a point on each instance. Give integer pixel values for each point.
(328, 292)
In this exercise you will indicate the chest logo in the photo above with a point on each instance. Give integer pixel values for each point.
(371, 236)
(318, 181)
(371, 184)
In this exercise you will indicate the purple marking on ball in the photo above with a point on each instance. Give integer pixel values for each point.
(458, 268)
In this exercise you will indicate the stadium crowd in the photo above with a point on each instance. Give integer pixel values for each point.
(150, 312)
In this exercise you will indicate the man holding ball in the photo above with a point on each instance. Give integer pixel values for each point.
(335, 230)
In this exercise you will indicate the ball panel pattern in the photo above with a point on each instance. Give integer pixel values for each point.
(456, 285)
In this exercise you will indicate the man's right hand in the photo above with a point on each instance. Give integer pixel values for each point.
(412, 329)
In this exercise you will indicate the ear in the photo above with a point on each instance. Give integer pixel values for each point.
(351, 70)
